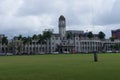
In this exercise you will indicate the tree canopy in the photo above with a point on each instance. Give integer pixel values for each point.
(47, 34)
(90, 35)
(101, 35)
(69, 35)
(4, 40)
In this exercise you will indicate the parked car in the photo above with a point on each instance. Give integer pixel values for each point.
(55, 52)
(66, 52)
(9, 54)
(109, 51)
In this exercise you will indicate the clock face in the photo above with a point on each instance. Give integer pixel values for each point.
(62, 22)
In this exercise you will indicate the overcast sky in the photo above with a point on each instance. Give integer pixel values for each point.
(29, 17)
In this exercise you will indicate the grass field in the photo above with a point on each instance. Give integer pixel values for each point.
(60, 67)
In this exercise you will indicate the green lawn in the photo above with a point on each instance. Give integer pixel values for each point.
(60, 67)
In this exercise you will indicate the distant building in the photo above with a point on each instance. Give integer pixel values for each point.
(78, 42)
(116, 33)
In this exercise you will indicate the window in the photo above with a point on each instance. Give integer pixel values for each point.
(52, 48)
(76, 38)
(77, 43)
(56, 38)
(52, 43)
(53, 38)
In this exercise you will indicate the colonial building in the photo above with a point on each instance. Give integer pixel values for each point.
(78, 42)
(71, 41)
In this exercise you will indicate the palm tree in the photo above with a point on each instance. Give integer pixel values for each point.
(34, 37)
(4, 40)
(46, 36)
(19, 47)
(101, 35)
(90, 35)
(26, 41)
(20, 37)
(68, 35)
(5, 43)
(41, 39)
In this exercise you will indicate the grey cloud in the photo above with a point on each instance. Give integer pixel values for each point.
(37, 7)
(111, 17)
(33, 16)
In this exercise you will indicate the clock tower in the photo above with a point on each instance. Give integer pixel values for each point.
(62, 26)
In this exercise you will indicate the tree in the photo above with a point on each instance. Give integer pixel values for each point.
(10, 47)
(34, 37)
(115, 46)
(68, 35)
(4, 42)
(112, 38)
(90, 35)
(41, 39)
(101, 35)
(24, 39)
(20, 37)
(46, 36)
(27, 40)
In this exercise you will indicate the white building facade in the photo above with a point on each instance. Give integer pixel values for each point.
(78, 42)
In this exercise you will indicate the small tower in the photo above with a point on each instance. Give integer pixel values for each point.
(62, 26)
